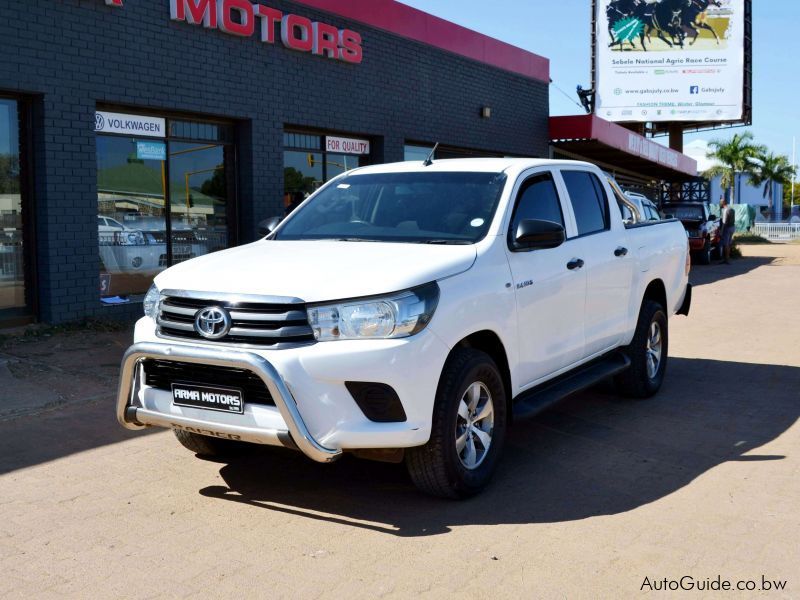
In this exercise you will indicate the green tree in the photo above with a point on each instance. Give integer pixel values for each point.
(215, 186)
(736, 155)
(787, 198)
(9, 174)
(295, 181)
(771, 168)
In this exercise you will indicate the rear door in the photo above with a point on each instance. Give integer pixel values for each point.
(550, 296)
(601, 243)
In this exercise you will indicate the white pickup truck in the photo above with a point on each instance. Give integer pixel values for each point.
(408, 312)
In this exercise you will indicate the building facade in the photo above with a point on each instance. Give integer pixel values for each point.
(135, 134)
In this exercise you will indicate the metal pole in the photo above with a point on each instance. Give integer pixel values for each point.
(794, 164)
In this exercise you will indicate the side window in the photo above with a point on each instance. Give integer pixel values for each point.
(537, 199)
(589, 201)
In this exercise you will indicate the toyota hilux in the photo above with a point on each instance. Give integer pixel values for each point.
(409, 312)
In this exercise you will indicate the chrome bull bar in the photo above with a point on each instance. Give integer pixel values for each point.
(296, 434)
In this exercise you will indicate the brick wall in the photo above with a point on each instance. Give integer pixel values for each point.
(70, 55)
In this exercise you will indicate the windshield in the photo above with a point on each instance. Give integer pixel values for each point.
(419, 207)
(692, 213)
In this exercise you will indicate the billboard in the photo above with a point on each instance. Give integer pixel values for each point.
(670, 60)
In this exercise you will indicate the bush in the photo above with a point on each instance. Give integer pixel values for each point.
(749, 238)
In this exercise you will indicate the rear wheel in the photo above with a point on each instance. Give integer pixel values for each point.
(647, 352)
(207, 446)
(468, 429)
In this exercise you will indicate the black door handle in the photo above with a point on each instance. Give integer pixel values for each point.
(575, 263)
(621, 251)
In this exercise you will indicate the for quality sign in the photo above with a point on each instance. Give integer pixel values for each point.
(346, 145)
(109, 122)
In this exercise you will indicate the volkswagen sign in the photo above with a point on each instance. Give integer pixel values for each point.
(213, 322)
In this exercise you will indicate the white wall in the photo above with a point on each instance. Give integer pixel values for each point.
(749, 194)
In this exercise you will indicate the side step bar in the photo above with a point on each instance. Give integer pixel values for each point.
(534, 401)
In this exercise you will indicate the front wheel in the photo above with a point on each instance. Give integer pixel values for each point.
(647, 352)
(468, 428)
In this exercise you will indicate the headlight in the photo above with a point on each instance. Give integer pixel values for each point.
(151, 302)
(133, 238)
(396, 316)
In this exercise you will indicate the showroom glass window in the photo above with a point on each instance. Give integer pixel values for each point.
(307, 165)
(162, 201)
(12, 212)
(420, 152)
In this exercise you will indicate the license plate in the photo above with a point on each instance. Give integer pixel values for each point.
(221, 399)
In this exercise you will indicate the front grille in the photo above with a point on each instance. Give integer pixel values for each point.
(253, 323)
(161, 374)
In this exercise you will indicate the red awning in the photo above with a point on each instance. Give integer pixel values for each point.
(598, 140)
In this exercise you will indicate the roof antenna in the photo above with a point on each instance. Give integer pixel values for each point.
(429, 161)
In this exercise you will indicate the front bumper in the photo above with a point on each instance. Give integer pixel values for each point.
(314, 411)
(137, 417)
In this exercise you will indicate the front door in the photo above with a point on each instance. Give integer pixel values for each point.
(550, 296)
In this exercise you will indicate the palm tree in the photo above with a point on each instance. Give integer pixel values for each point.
(736, 155)
(772, 168)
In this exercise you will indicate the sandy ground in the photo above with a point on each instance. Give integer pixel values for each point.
(591, 498)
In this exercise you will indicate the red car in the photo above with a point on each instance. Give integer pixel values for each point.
(702, 226)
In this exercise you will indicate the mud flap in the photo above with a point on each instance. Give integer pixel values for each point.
(687, 301)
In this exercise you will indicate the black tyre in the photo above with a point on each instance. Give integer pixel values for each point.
(648, 353)
(207, 446)
(468, 429)
(704, 255)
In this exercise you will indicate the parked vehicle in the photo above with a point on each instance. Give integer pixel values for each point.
(702, 227)
(648, 211)
(406, 312)
(114, 233)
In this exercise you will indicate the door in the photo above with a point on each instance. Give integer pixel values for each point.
(550, 296)
(608, 261)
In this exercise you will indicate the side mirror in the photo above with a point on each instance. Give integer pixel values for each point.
(712, 218)
(669, 216)
(267, 226)
(534, 234)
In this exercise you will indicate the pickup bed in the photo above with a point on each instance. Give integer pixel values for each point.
(408, 312)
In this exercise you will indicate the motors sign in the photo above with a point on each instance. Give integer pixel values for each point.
(245, 19)
(672, 60)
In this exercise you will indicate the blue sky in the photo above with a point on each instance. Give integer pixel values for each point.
(559, 30)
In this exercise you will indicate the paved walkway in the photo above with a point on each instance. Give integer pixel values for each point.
(591, 498)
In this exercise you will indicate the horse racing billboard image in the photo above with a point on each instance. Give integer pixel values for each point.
(670, 60)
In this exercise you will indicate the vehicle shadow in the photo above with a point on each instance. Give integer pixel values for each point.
(716, 271)
(594, 454)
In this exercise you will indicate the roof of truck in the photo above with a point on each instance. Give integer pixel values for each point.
(486, 165)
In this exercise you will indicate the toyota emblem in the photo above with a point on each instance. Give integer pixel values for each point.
(213, 322)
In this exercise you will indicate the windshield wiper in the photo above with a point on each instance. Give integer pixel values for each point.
(445, 242)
